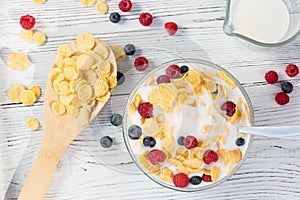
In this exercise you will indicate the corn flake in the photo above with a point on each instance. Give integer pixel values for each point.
(193, 77)
(118, 51)
(104, 98)
(39, 1)
(39, 38)
(84, 92)
(27, 35)
(101, 87)
(18, 61)
(112, 81)
(27, 97)
(14, 93)
(84, 62)
(167, 91)
(83, 117)
(64, 50)
(87, 2)
(102, 51)
(101, 7)
(54, 73)
(215, 172)
(33, 124)
(58, 108)
(36, 89)
(86, 41)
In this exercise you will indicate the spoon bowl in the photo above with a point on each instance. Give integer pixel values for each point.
(59, 133)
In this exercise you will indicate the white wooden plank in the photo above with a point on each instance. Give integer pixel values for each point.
(270, 172)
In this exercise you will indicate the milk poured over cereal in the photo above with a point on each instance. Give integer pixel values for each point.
(204, 106)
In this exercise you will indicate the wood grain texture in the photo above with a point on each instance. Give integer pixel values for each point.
(86, 171)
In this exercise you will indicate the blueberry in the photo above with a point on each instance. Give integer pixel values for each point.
(180, 140)
(120, 78)
(116, 119)
(129, 49)
(134, 132)
(106, 142)
(149, 142)
(240, 141)
(184, 69)
(114, 17)
(287, 87)
(195, 180)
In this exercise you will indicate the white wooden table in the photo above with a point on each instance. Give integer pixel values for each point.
(272, 170)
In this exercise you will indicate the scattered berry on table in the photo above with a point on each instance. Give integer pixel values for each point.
(114, 17)
(184, 69)
(210, 156)
(134, 132)
(190, 142)
(206, 178)
(145, 109)
(163, 79)
(141, 63)
(27, 22)
(129, 49)
(173, 71)
(292, 70)
(287, 87)
(156, 156)
(120, 78)
(171, 28)
(240, 141)
(180, 140)
(282, 98)
(116, 119)
(181, 180)
(149, 141)
(229, 106)
(195, 180)
(125, 5)
(271, 77)
(106, 142)
(146, 19)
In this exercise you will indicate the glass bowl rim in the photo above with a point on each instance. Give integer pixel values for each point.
(148, 75)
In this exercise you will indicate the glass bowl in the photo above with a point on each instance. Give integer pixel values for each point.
(189, 119)
(234, 20)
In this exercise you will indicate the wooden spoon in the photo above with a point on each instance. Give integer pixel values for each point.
(59, 132)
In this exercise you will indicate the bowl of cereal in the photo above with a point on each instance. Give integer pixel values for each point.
(180, 124)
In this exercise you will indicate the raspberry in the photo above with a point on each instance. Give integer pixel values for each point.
(171, 28)
(163, 79)
(292, 70)
(141, 63)
(173, 71)
(190, 142)
(156, 156)
(146, 19)
(125, 5)
(271, 77)
(282, 98)
(145, 110)
(181, 180)
(210, 156)
(206, 178)
(27, 22)
(229, 106)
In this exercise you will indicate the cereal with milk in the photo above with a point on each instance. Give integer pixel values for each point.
(196, 106)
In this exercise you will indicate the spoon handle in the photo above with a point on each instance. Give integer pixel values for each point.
(39, 178)
(283, 132)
